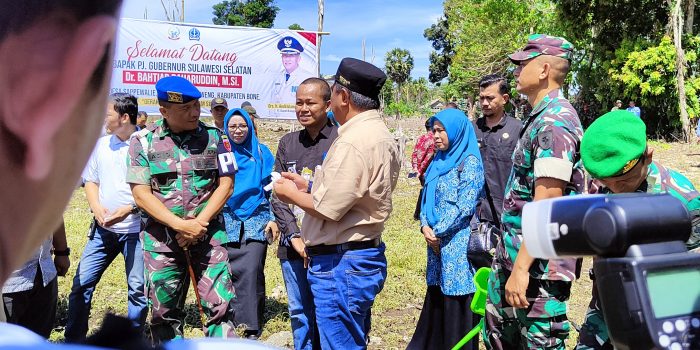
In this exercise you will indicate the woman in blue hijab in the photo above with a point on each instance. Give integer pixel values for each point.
(248, 218)
(453, 185)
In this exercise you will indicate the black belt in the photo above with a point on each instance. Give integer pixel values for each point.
(324, 249)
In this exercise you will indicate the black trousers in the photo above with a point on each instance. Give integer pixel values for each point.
(247, 261)
(444, 321)
(416, 213)
(34, 309)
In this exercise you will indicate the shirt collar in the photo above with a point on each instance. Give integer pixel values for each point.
(162, 129)
(481, 123)
(323, 133)
(542, 105)
(653, 175)
(114, 140)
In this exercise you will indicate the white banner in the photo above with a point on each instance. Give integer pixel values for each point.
(238, 64)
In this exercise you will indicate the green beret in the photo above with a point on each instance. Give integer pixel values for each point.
(612, 145)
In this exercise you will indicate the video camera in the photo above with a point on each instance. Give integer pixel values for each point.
(648, 283)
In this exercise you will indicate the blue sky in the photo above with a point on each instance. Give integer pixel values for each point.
(384, 24)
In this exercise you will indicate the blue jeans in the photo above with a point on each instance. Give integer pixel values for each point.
(344, 287)
(99, 253)
(301, 304)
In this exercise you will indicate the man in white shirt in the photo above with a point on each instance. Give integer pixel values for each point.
(117, 222)
(284, 89)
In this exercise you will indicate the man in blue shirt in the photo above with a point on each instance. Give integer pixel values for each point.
(634, 109)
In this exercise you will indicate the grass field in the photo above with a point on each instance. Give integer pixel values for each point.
(396, 308)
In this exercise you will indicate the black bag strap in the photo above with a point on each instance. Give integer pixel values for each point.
(494, 213)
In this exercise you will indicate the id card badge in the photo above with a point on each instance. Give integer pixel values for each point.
(291, 167)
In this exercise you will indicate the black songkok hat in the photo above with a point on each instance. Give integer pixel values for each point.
(361, 77)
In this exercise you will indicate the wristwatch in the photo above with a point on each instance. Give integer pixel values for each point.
(65, 252)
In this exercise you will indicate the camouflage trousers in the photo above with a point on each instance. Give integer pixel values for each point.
(542, 325)
(167, 283)
(594, 332)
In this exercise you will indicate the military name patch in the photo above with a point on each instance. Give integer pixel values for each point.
(544, 139)
(161, 156)
(175, 97)
(200, 162)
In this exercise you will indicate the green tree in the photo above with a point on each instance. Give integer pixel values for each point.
(295, 26)
(484, 32)
(604, 33)
(399, 64)
(616, 40)
(441, 58)
(386, 94)
(647, 75)
(418, 91)
(251, 13)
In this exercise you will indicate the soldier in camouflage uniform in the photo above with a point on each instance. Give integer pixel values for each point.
(614, 152)
(526, 305)
(181, 173)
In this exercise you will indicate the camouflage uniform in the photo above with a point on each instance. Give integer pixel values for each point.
(463, 104)
(594, 333)
(548, 147)
(182, 171)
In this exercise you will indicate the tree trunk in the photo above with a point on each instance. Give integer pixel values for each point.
(677, 25)
(689, 16)
(398, 101)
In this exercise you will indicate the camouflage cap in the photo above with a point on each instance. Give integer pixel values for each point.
(542, 44)
(219, 102)
(251, 111)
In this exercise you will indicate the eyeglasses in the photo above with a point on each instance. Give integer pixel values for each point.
(239, 126)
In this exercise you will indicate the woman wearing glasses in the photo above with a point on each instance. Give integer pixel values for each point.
(248, 221)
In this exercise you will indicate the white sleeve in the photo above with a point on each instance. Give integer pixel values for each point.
(90, 171)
